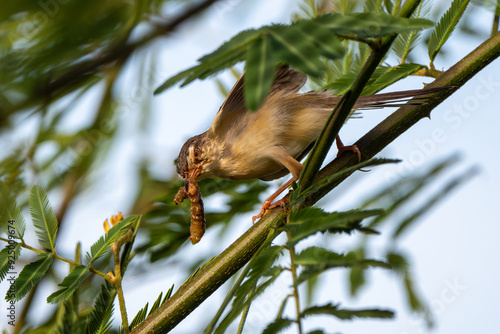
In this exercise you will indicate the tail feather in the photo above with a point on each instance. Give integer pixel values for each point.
(396, 99)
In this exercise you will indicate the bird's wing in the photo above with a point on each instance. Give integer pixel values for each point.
(286, 81)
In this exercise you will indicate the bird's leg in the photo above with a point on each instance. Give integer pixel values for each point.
(341, 148)
(267, 203)
(280, 155)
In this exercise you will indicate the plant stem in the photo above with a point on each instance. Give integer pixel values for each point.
(227, 300)
(293, 269)
(496, 19)
(245, 311)
(60, 258)
(117, 282)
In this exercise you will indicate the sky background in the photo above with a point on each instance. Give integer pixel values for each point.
(453, 251)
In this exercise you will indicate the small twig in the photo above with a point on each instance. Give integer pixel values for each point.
(293, 269)
(496, 19)
(372, 43)
(428, 72)
(244, 313)
(117, 282)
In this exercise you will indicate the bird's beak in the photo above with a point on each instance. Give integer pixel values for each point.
(193, 174)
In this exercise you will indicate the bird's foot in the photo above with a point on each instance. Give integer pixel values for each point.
(268, 206)
(352, 148)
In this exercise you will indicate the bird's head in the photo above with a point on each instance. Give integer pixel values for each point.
(194, 161)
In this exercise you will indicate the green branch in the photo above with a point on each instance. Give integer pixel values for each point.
(293, 270)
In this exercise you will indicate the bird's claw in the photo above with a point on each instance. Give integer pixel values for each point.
(268, 206)
(352, 148)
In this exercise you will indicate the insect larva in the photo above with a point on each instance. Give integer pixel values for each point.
(198, 225)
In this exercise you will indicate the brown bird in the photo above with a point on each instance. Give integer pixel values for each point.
(268, 143)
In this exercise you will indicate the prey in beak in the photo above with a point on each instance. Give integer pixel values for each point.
(191, 190)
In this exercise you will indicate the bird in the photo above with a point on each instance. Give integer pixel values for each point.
(270, 142)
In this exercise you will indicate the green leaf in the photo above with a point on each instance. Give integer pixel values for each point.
(445, 27)
(101, 246)
(229, 52)
(316, 260)
(277, 326)
(300, 44)
(31, 274)
(405, 42)
(357, 277)
(260, 266)
(44, 218)
(294, 47)
(139, 317)
(308, 221)
(143, 313)
(404, 189)
(241, 40)
(332, 179)
(391, 76)
(368, 25)
(69, 285)
(328, 44)
(259, 74)
(8, 258)
(12, 221)
(99, 321)
(159, 301)
(345, 314)
(401, 266)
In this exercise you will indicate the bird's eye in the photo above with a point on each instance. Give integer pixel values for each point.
(196, 153)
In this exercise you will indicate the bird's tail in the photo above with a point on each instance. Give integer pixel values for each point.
(397, 99)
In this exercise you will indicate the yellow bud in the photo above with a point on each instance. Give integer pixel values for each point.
(106, 226)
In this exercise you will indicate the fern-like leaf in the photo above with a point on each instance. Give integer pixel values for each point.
(325, 183)
(226, 53)
(445, 27)
(259, 73)
(392, 75)
(245, 293)
(345, 314)
(31, 274)
(99, 321)
(308, 221)
(369, 25)
(316, 260)
(143, 313)
(101, 246)
(44, 218)
(294, 47)
(12, 221)
(328, 44)
(405, 42)
(297, 44)
(69, 285)
(8, 258)
(277, 326)
(139, 317)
